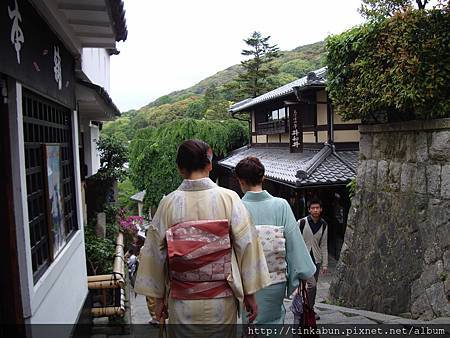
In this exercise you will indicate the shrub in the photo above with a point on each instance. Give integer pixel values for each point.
(113, 155)
(394, 69)
(99, 252)
(125, 191)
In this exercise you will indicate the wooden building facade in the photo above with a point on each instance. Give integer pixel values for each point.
(48, 97)
(306, 148)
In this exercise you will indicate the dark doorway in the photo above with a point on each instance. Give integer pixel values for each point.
(336, 204)
(11, 304)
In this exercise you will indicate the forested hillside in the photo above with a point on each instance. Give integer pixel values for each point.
(211, 97)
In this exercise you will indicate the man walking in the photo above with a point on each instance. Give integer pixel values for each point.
(315, 233)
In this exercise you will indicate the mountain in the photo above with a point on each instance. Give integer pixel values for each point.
(292, 64)
(211, 97)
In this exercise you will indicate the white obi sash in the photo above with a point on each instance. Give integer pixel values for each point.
(274, 247)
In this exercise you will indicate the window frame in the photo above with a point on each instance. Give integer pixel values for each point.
(267, 126)
(47, 122)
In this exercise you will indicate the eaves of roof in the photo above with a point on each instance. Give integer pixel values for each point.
(313, 79)
(138, 197)
(117, 12)
(309, 168)
(102, 94)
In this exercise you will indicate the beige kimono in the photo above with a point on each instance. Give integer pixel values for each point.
(203, 200)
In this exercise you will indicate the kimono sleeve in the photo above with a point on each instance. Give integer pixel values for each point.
(152, 274)
(248, 250)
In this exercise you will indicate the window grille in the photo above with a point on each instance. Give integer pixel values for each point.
(44, 122)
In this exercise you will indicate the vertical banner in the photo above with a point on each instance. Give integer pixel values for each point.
(295, 129)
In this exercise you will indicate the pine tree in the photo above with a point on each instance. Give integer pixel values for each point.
(255, 79)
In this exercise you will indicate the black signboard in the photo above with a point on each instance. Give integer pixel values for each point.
(295, 129)
(31, 53)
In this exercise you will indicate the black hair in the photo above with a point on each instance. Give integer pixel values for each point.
(250, 170)
(315, 200)
(193, 155)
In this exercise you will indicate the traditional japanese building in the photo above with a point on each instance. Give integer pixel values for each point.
(54, 81)
(306, 148)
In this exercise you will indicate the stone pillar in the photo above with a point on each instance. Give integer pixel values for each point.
(395, 258)
(100, 227)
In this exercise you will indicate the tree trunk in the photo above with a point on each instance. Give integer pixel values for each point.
(421, 4)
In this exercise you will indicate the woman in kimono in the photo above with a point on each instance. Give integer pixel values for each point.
(188, 256)
(287, 258)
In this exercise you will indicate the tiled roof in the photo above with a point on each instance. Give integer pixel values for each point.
(103, 94)
(350, 158)
(119, 20)
(301, 169)
(315, 78)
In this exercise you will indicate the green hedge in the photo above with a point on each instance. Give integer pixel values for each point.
(392, 69)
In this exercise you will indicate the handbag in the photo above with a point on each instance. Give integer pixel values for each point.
(308, 319)
(297, 306)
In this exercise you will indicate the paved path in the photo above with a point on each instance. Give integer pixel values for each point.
(139, 311)
(329, 314)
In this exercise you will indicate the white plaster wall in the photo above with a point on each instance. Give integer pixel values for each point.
(95, 64)
(285, 138)
(64, 300)
(95, 155)
(322, 119)
(91, 133)
(309, 137)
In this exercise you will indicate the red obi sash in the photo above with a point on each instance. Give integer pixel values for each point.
(199, 259)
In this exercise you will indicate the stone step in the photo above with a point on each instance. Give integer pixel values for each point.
(374, 316)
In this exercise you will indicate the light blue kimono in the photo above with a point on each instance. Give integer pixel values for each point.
(268, 210)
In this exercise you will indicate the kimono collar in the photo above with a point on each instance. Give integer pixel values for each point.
(197, 185)
(251, 196)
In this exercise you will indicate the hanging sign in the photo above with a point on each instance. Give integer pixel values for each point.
(295, 130)
(33, 54)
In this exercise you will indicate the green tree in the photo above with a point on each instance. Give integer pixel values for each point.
(219, 111)
(393, 69)
(138, 121)
(120, 127)
(99, 252)
(212, 96)
(216, 107)
(165, 113)
(255, 79)
(385, 8)
(153, 151)
(196, 109)
(297, 67)
(125, 191)
(113, 155)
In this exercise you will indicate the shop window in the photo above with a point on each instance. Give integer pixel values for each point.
(50, 178)
(272, 122)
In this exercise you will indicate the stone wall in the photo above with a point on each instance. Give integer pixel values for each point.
(396, 254)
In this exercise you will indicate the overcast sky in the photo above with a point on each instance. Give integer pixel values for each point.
(174, 44)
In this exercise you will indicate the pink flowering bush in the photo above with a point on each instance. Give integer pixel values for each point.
(130, 224)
